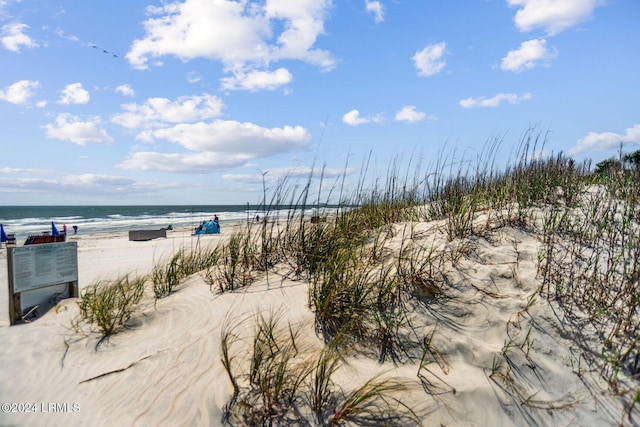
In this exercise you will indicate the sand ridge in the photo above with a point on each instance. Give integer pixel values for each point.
(499, 354)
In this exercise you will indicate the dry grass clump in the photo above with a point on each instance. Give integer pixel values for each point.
(109, 305)
(234, 266)
(282, 383)
(591, 264)
(509, 196)
(167, 275)
(364, 298)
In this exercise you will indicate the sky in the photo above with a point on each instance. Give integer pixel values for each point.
(215, 101)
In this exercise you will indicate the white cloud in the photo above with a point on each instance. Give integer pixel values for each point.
(409, 114)
(156, 112)
(126, 90)
(233, 137)
(193, 77)
(606, 140)
(353, 118)
(429, 60)
(238, 34)
(552, 15)
(60, 33)
(256, 80)
(495, 101)
(73, 94)
(245, 178)
(79, 185)
(527, 56)
(181, 162)
(217, 146)
(19, 92)
(88, 179)
(375, 7)
(16, 171)
(72, 128)
(13, 37)
(303, 22)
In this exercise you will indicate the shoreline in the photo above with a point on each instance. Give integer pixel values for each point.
(117, 220)
(106, 256)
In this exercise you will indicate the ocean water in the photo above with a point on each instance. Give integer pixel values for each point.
(24, 221)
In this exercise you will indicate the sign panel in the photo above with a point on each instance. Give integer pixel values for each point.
(37, 266)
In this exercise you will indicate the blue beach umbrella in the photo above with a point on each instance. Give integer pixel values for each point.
(3, 235)
(54, 230)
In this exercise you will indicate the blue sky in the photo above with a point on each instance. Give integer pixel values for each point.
(198, 101)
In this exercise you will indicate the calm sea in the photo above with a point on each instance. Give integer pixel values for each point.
(27, 220)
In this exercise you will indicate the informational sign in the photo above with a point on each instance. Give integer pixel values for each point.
(37, 266)
(39, 274)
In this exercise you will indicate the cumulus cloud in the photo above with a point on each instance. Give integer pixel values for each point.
(19, 92)
(219, 145)
(375, 7)
(126, 90)
(244, 36)
(13, 37)
(73, 94)
(82, 132)
(607, 140)
(496, 100)
(527, 56)
(552, 15)
(429, 60)
(256, 80)
(157, 112)
(409, 114)
(353, 118)
(233, 137)
(209, 146)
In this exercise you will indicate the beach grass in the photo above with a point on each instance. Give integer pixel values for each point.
(277, 384)
(364, 294)
(110, 304)
(166, 276)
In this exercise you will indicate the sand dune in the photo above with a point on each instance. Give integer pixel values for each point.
(500, 355)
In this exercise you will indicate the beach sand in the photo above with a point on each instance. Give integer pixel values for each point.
(165, 369)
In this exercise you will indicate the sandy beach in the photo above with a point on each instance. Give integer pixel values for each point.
(165, 367)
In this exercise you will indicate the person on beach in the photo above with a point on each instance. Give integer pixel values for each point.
(75, 229)
(64, 229)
